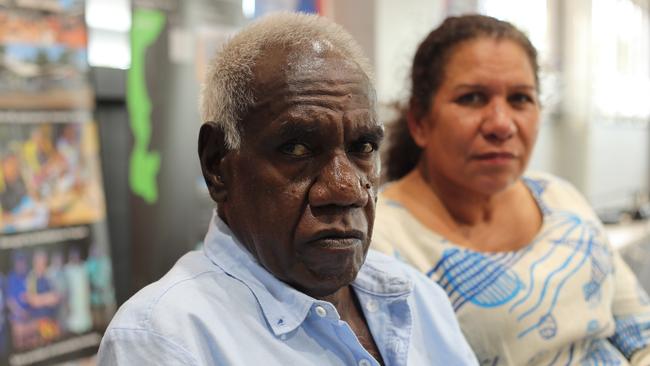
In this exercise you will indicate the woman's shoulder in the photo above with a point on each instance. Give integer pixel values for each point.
(393, 218)
(543, 182)
(546, 178)
(389, 206)
(556, 193)
(398, 232)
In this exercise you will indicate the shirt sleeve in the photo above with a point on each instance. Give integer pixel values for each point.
(448, 342)
(631, 310)
(141, 347)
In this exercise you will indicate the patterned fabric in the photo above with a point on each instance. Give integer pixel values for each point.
(566, 298)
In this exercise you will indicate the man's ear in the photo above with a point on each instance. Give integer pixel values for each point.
(212, 150)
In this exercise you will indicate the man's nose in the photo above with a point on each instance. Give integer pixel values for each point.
(340, 183)
(499, 121)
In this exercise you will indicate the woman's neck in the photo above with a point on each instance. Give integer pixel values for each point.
(504, 221)
(465, 207)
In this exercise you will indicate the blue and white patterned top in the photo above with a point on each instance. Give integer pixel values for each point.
(567, 298)
(219, 306)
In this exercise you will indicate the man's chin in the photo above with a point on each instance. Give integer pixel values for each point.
(326, 273)
(326, 283)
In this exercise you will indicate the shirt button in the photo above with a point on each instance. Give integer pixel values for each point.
(364, 362)
(372, 306)
(320, 311)
(396, 346)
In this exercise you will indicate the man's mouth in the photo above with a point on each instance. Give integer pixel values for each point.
(336, 239)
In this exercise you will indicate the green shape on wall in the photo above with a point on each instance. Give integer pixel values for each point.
(144, 164)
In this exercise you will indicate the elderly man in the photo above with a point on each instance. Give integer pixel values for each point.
(290, 156)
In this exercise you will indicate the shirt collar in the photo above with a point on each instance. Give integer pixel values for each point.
(284, 307)
(380, 276)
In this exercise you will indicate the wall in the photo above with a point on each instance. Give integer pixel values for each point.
(607, 162)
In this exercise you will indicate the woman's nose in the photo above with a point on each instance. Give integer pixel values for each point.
(498, 122)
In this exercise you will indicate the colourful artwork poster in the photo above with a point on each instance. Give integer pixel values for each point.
(57, 294)
(43, 58)
(56, 280)
(49, 176)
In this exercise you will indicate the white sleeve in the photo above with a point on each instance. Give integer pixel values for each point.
(631, 310)
(140, 347)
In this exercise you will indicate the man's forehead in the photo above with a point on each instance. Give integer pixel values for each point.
(304, 63)
(299, 79)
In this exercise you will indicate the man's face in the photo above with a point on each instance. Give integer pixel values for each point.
(301, 189)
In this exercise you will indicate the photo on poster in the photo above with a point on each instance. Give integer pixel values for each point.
(49, 176)
(43, 61)
(54, 6)
(54, 292)
(4, 324)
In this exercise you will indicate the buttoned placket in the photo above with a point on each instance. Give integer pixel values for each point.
(284, 323)
(326, 312)
(392, 315)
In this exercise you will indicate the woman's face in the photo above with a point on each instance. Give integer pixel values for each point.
(481, 128)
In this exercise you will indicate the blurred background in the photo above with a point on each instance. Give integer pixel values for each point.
(100, 186)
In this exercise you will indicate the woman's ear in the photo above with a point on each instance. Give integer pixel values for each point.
(212, 150)
(419, 127)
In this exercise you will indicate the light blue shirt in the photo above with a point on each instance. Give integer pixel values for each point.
(218, 306)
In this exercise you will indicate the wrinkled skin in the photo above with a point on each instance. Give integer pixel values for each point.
(300, 191)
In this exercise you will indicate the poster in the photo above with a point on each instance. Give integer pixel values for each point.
(43, 57)
(49, 176)
(56, 281)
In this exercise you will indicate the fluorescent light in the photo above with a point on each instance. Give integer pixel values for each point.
(248, 8)
(114, 15)
(109, 49)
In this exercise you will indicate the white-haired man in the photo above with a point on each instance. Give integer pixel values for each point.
(289, 153)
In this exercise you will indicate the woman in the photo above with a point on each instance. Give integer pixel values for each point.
(523, 258)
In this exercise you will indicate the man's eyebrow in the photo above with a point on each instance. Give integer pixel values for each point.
(374, 133)
(297, 128)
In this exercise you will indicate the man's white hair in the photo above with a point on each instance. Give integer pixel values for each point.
(227, 94)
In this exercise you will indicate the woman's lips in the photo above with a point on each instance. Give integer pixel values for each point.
(495, 157)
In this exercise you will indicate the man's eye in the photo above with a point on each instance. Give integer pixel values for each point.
(364, 147)
(295, 149)
(473, 98)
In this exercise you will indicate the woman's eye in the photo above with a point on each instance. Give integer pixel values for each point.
(471, 99)
(521, 98)
(295, 149)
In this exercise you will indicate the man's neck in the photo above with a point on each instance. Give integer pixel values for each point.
(342, 300)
